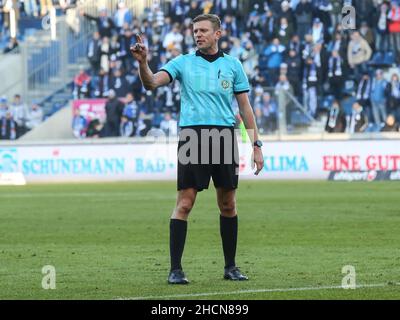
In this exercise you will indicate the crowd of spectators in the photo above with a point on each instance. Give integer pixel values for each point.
(35, 9)
(298, 46)
(17, 118)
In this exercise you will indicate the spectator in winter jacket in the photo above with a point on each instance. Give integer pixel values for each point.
(336, 74)
(114, 109)
(274, 52)
(82, 84)
(391, 124)
(392, 94)
(281, 88)
(367, 33)
(295, 44)
(194, 10)
(131, 112)
(79, 124)
(338, 43)
(304, 15)
(336, 13)
(310, 86)
(119, 83)
(378, 100)
(19, 111)
(364, 95)
(293, 62)
(359, 52)
(8, 127)
(34, 117)
(357, 121)
(317, 31)
(323, 11)
(394, 27)
(336, 120)
(169, 125)
(3, 107)
(284, 32)
(268, 26)
(94, 53)
(122, 16)
(105, 24)
(287, 12)
(381, 25)
(173, 38)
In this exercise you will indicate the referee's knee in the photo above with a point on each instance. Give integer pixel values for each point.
(228, 209)
(183, 209)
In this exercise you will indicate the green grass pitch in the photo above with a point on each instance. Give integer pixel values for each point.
(110, 241)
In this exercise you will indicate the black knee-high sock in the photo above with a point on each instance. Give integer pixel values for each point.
(177, 237)
(229, 231)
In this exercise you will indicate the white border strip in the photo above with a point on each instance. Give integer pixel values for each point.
(193, 295)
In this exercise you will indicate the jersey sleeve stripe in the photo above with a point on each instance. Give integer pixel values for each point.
(170, 77)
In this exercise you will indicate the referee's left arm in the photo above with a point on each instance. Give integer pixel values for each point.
(246, 112)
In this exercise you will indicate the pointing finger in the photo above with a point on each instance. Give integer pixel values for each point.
(137, 47)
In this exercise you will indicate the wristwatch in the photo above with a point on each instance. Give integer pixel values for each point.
(258, 143)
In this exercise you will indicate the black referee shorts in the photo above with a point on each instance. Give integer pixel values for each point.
(206, 152)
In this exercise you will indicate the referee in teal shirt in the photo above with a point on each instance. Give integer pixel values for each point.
(209, 80)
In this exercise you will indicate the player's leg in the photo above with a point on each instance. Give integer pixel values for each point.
(178, 229)
(184, 204)
(226, 199)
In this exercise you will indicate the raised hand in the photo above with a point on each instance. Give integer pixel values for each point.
(139, 50)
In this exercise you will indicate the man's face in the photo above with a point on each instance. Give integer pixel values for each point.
(355, 36)
(266, 97)
(390, 120)
(205, 35)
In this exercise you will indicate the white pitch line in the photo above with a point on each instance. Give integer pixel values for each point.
(94, 195)
(193, 295)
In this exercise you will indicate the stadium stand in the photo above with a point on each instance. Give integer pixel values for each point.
(300, 59)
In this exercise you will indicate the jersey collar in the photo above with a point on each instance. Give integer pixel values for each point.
(210, 57)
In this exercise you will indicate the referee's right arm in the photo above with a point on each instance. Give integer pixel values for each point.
(150, 81)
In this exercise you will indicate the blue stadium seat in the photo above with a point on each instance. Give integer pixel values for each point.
(298, 118)
(389, 58)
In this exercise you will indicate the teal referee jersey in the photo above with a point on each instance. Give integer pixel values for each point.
(208, 84)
